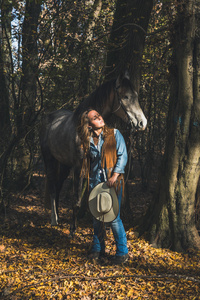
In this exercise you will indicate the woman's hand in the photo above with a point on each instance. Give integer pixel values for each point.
(112, 179)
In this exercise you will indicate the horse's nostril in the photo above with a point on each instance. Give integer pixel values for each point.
(140, 124)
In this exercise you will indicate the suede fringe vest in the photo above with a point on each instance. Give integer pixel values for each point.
(109, 158)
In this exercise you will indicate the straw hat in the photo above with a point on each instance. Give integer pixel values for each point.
(103, 203)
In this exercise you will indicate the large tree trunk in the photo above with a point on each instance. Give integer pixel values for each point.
(127, 38)
(5, 70)
(26, 107)
(29, 63)
(5, 85)
(126, 45)
(170, 221)
(85, 51)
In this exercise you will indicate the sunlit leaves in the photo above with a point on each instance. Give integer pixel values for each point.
(41, 262)
(65, 52)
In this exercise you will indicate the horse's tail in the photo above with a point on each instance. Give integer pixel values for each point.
(47, 200)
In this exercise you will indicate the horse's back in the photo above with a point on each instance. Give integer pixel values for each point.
(51, 117)
(58, 136)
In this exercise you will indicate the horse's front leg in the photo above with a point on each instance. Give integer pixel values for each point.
(54, 213)
(73, 225)
(52, 195)
(78, 183)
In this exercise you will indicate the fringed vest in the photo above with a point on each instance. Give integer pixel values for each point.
(109, 158)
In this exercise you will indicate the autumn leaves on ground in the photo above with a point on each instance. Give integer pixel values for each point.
(42, 262)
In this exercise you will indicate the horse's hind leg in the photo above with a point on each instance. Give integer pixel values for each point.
(51, 194)
(52, 171)
(51, 181)
(62, 173)
(56, 174)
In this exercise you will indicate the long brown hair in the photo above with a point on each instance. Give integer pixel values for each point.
(84, 135)
(84, 132)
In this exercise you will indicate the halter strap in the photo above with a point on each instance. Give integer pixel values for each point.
(121, 105)
(117, 108)
(119, 99)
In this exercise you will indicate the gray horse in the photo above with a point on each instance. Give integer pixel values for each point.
(60, 143)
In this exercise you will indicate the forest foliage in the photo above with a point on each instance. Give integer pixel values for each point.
(67, 62)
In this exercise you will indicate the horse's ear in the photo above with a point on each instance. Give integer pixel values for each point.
(121, 76)
(126, 75)
(118, 81)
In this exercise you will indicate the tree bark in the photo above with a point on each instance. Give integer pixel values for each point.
(5, 85)
(86, 51)
(25, 108)
(170, 220)
(29, 63)
(5, 68)
(127, 38)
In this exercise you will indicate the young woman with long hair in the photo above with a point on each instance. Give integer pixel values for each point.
(104, 160)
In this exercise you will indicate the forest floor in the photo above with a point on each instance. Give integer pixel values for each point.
(42, 262)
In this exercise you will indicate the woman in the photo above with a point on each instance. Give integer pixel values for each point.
(105, 158)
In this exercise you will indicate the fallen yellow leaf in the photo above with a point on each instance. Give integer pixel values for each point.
(130, 293)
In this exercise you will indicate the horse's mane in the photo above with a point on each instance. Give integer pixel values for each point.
(97, 100)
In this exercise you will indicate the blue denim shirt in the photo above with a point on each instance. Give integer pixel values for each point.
(97, 174)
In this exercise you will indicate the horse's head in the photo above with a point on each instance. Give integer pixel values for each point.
(126, 104)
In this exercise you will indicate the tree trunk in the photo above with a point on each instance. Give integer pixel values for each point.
(5, 69)
(170, 220)
(5, 75)
(28, 89)
(126, 45)
(29, 63)
(86, 49)
(127, 38)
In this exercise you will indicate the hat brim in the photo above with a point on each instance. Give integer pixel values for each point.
(92, 201)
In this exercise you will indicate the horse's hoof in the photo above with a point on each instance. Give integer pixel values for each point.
(72, 231)
(54, 223)
(71, 235)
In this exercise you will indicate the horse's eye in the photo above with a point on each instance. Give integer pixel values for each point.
(125, 97)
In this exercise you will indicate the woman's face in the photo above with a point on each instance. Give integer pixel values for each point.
(95, 120)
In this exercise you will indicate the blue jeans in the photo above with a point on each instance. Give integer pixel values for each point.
(118, 232)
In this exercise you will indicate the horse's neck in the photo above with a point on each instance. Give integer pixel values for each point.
(83, 106)
(102, 102)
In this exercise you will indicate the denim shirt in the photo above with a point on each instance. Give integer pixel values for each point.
(97, 174)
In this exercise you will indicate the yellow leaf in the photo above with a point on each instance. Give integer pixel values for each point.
(2, 248)
(130, 293)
